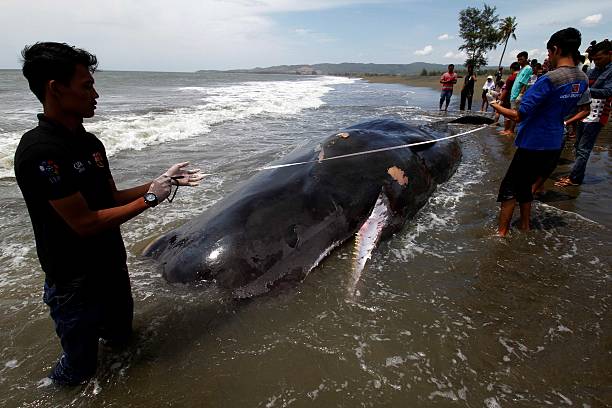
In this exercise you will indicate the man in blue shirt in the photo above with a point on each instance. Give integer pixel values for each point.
(540, 131)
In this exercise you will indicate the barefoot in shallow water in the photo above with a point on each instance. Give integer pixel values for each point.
(565, 182)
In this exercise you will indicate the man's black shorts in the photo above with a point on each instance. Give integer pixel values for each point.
(526, 167)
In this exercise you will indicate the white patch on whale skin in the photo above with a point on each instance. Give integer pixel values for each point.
(398, 175)
(343, 135)
(214, 254)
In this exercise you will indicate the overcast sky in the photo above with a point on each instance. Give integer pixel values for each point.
(187, 35)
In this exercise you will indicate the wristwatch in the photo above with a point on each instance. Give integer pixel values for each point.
(150, 200)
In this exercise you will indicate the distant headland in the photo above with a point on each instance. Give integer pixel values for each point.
(345, 69)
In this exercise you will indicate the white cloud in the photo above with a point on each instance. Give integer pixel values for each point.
(565, 13)
(538, 54)
(311, 35)
(455, 55)
(444, 37)
(592, 19)
(190, 35)
(302, 31)
(425, 51)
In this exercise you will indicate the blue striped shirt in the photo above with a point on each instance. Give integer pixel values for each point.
(546, 104)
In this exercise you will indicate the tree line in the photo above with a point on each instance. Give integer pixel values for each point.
(482, 30)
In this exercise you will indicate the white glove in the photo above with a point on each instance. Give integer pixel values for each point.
(161, 187)
(182, 177)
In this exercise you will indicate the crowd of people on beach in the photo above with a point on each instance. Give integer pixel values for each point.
(566, 97)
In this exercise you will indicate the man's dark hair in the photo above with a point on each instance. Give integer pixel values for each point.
(515, 66)
(568, 40)
(46, 61)
(522, 54)
(533, 62)
(451, 65)
(601, 46)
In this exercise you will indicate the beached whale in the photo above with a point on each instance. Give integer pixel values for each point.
(282, 222)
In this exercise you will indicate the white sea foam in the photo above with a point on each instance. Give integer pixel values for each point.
(8, 145)
(212, 106)
(440, 212)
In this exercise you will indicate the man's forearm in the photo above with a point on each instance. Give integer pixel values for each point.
(75, 211)
(509, 113)
(128, 195)
(583, 112)
(111, 217)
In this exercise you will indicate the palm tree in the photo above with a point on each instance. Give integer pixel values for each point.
(507, 28)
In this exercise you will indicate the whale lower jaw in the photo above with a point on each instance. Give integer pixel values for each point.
(367, 238)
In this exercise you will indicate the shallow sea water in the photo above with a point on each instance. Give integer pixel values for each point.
(445, 313)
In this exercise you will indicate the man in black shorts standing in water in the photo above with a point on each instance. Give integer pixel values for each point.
(540, 132)
(76, 210)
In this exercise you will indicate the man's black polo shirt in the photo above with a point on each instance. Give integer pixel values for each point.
(51, 162)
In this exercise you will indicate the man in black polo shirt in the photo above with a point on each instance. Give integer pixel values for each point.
(76, 209)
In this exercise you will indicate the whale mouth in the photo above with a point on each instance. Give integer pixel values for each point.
(367, 238)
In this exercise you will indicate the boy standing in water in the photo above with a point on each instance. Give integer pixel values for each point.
(76, 210)
(540, 130)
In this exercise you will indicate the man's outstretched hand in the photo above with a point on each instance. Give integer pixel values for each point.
(184, 177)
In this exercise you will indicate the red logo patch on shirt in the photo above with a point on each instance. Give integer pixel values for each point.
(98, 159)
(575, 88)
(50, 169)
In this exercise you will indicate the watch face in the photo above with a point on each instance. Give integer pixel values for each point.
(150, 198)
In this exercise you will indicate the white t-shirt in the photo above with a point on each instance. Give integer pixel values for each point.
(489, 85)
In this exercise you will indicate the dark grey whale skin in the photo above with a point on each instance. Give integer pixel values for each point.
(280, 223)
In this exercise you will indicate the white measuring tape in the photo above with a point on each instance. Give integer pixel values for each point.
(372, 151)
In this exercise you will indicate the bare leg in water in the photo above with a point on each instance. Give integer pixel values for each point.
(505, 216)
(525, 216)
(506, 210)
(537, 186)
